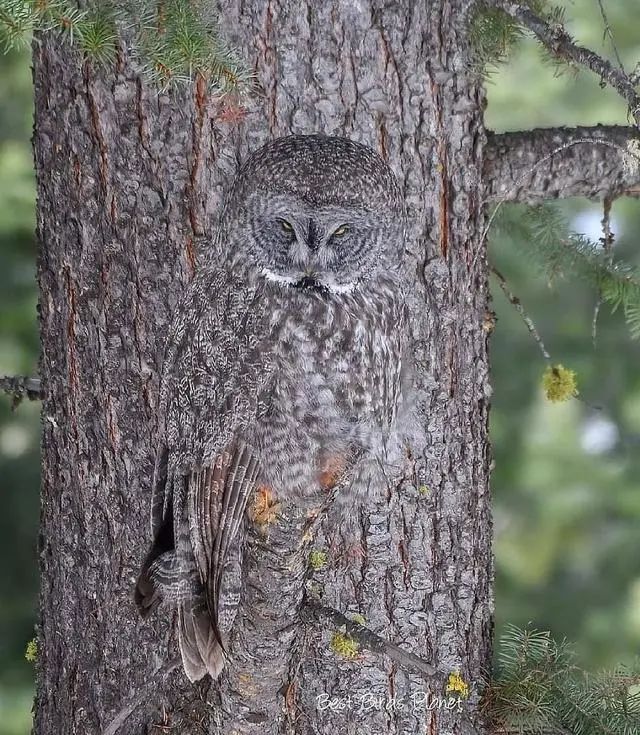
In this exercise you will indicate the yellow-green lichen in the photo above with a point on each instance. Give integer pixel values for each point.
(345, 646)
(424, 490)
(559, 383)
(31, 651)
(317, 559)
(457, 685)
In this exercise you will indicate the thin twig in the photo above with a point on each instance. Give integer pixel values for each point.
(560, 43)
(515, 301)
(607, 244)
(594, 321)
(407, 661)
(609, 32)
(20, 386)
(141, 696)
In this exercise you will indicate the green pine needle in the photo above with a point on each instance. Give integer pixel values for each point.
(561, 254)
(494, 35)
(539, 688)
(174, 42)
(99, 38)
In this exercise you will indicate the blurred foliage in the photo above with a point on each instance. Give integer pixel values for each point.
(566, 481)
(540, 690)
(566, 487)
(19, 430)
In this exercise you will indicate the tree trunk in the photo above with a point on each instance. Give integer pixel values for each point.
(128, 181)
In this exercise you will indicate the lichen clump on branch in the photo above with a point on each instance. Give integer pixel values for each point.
(318, 560)
(31, 652)
(345, 646)
(559, 383)
(457, 685)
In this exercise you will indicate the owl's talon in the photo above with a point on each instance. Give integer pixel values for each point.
(265, 508)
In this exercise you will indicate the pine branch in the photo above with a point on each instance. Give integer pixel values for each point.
(534, 166)
(493, 34)
(545, 237)
(560, 44)
(20, 387)
(174, 42)
(539, 688)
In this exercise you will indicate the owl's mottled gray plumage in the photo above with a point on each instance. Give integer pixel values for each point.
(283, 363)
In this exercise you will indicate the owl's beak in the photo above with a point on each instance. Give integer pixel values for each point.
(310, 283)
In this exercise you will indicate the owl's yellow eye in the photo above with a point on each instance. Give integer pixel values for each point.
(342, 230)
(286, 226)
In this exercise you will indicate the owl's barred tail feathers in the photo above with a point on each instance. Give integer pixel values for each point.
(200, 649)
(201, 652)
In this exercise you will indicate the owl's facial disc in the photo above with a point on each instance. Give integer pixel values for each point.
(315, 248)
(311, 260)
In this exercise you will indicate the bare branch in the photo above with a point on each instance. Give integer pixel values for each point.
(608, 32)
(607, 241)
(551, 163)
(21, 387)
(407, 661)
(554, 37)
(515, 302)
(141, 697)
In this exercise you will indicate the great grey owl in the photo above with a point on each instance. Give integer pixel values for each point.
(283, 370)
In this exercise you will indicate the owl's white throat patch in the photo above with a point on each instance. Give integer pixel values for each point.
(341, 288)
(278, 277)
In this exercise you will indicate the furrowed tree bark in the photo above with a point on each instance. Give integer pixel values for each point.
(128, 180)
(554, 163)
(122, 173)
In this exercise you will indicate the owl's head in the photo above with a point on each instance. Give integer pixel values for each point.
(316, 213)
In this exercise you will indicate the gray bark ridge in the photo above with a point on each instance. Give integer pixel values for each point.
(598, 162)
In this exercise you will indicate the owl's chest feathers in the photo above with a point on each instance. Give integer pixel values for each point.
(335, 360)
(328, 336)
(335, 363)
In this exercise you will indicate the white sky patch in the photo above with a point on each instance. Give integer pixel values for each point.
(589, 223)
(14, 440)
(599, 435)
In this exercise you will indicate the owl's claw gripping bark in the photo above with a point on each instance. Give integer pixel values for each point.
(333, 470)
(264, 510)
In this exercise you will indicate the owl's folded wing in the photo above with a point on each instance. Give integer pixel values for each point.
(205, 470)
(217, 498)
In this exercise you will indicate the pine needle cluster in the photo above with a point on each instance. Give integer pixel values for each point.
(173, 41)
(494, 34)
(539, 689)
(546, 238)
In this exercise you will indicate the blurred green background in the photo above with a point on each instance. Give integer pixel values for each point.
(567, 476)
